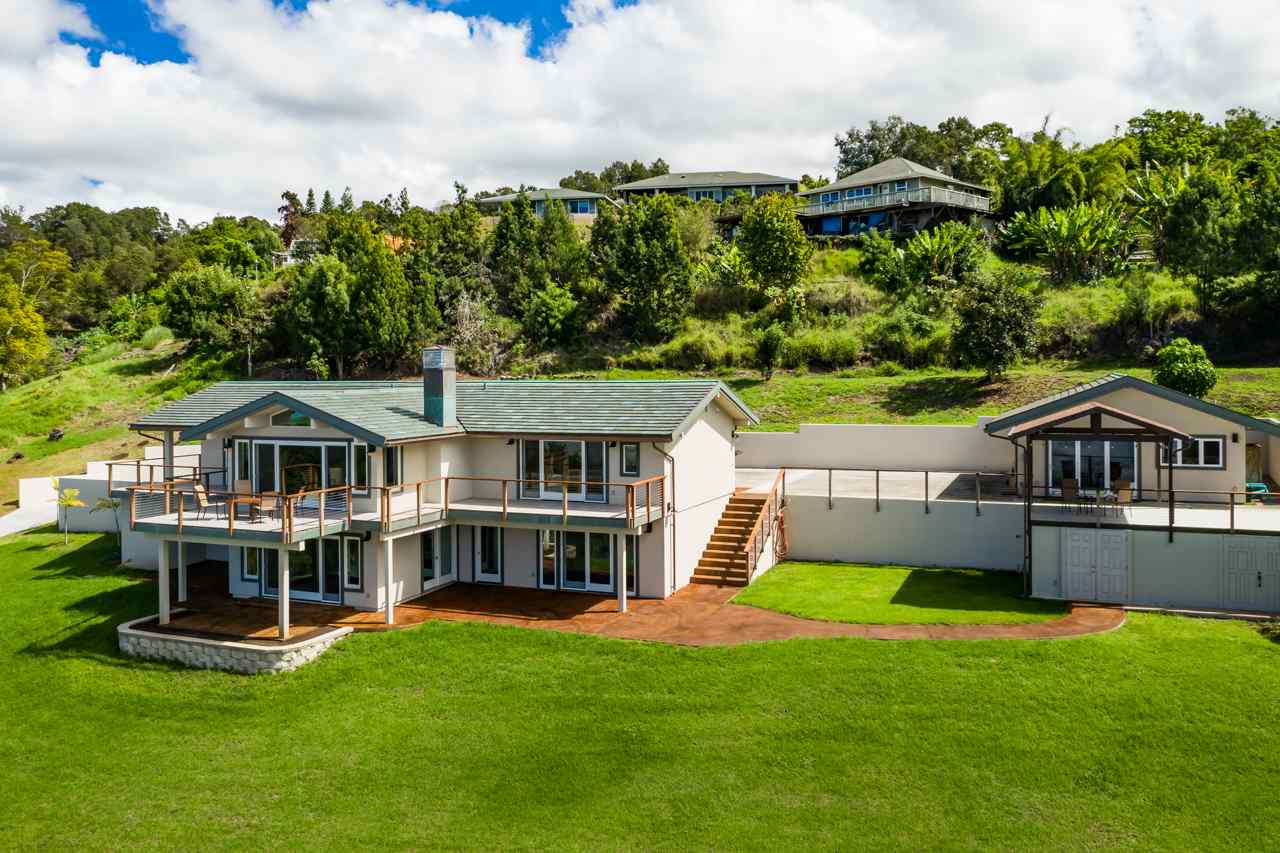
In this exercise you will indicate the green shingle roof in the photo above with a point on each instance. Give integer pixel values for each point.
(1095, 388)
(388, 411)
(540, 195)
(689, 180)
(893, 169)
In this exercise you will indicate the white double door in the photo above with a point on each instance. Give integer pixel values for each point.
(1250, 574)
(1095, 564)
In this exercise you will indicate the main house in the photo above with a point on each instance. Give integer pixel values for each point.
(369, 493)
(896, 195)
(709, 186)
(578, 203)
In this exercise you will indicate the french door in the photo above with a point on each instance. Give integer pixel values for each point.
(487, 554)
(587, 563)
(437, 558)
(1095, 465)
(552, 469)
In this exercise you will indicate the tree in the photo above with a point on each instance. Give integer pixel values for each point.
(379, 292)
(316, 313)
(995, 322)
(957, 147)
(564, 257)
(776, 253)
(769, 348)
(1202, 231)
(1184, 366)
(111, 505)
(310, 207)
(40, 271)
(549, 316)
(1152, 191)
(326, 202)
(292, 215)
(23, 344)
(645, 265)
(519, 270)
(938, 258)
(346, 204)
(202, 303)
(1174, 137)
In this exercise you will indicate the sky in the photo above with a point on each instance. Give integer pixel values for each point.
(202, 107)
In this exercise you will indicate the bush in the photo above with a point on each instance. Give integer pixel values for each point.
(820, 346)
(769, 348)
(105, 352)
(889, 368)
(1074, 321)
(841, 297)
(995, 323)
(1184, 366)
(700, 346)
(155, 336)
(549, 315)
(836, 263)
(905, 336)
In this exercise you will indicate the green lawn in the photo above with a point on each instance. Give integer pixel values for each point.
(1162, 734)
(896, 595)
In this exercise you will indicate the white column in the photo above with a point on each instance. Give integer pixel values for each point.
(284, 592)
(386, 580)
(163, 580)
(620, 545)
(182, 570)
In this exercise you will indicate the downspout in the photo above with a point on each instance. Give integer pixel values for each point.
(672, 460)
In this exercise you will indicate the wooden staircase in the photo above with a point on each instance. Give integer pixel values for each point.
(724, 560)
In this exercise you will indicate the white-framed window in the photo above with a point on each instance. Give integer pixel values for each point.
(1202, 452)
(352, 563)
(243, 461)
(290, 418)
(629, 463)
(859, 192)
(549, 468)
(899, 186)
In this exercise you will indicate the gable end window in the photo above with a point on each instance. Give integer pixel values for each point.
(1201, 452)
(290, 418)
(393, 474)
(630, 462)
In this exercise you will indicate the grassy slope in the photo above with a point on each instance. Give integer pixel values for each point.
(92, 403)
(950, 397)
(1159, 735)
(896, 595)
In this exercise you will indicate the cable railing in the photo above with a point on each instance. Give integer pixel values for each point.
(153, 473)
(769, 523)
(643, 501)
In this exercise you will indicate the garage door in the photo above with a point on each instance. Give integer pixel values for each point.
(1095, 564)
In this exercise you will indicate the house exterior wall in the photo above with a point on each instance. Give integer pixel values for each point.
(703, 483)
(951, 534)
(1186, 481)
(883, 446)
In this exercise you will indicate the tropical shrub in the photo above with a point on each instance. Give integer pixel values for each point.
(944, 254)
(1184, 366)
(1082, 242)
(994, 322)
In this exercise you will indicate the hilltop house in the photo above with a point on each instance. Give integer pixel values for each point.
(578, 203)
(896, 195)
(712, 186)
(367, 494)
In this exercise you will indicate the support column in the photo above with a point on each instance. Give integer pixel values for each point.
(620, 544)
(163, 580)
(283, 603)
(168, 455)
(182, 570)
(386, 580)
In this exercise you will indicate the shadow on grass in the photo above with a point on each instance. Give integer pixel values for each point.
(968, 589)
(940, 393)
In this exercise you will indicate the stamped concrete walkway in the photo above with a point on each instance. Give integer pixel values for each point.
(699, 616)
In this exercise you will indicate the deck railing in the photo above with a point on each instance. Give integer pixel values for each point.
(920, 195)
(641, 498)
(769, 524)
(296, 512)
(153, 473)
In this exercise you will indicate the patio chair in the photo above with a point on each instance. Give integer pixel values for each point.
(1121, 495)
(270, 506)
(243, 487)
(1071, 493)
(204, 505)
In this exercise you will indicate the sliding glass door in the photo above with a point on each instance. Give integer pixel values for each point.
(588, 561)
(1096, 466)
(315, 572)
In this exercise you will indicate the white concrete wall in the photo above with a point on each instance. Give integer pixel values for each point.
(884, 446)
(951, 534)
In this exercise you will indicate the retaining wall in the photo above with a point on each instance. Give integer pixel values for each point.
(199, 653)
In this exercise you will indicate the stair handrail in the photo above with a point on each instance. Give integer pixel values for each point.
(764, 526)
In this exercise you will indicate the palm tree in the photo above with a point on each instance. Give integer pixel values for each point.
(67, 499)
(111, 505)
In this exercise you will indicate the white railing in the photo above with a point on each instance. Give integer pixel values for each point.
(922, 195)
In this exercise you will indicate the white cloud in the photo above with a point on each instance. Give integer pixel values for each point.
(379, 95)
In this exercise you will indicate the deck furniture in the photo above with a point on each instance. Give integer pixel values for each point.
(253, 502)
(204, 505)
(1071, 493)
(269, 505)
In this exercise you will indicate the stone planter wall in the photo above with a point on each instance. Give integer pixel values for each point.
(231, 656)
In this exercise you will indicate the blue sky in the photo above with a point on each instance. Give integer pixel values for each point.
(127, 24)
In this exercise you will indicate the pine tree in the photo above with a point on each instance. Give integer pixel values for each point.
(326, 202)
(311, 201)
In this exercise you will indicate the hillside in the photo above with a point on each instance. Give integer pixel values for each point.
(92, 403)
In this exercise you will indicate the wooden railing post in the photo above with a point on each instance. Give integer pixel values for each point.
(630, 499)
(231, 517)
(167, 502)
(324, 498)
(133, 508)
(445, 509)
(180, 505)
(648, 500)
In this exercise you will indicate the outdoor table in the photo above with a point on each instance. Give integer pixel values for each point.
(253, 502)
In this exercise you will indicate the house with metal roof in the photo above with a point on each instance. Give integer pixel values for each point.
(709, 186)
(578, 203)
(366, 495)
(895, 195)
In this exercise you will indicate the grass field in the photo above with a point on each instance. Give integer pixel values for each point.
(1161, 735)
(896, 595)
